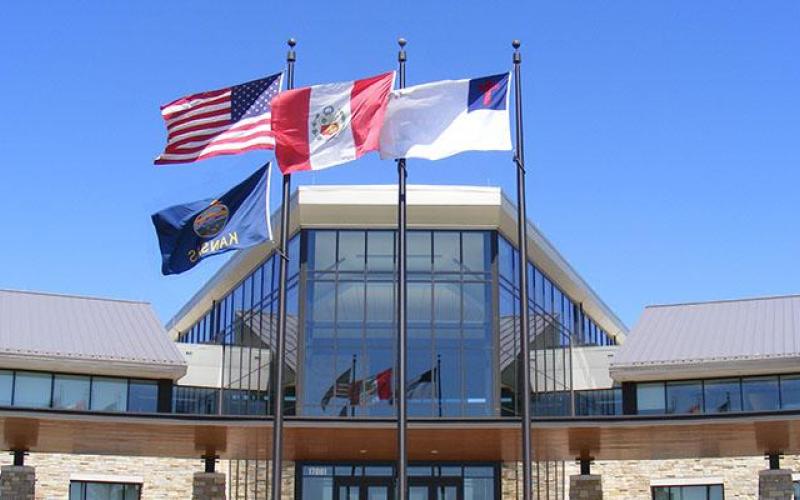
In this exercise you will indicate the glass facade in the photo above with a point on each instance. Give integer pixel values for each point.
(463, 328)
(349, 336)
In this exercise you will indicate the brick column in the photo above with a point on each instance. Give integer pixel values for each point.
(585, 487)
(17, 482)
(208, 486)
(775, 484)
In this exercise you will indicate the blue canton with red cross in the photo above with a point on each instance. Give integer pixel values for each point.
(488, 92)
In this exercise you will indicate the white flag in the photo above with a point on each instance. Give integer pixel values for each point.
(439, 119)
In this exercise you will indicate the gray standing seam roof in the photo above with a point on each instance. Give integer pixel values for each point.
(83, 328)
(748, 329)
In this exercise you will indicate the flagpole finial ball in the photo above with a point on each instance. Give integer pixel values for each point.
(516, 44)
(402, 42)
(292, 42)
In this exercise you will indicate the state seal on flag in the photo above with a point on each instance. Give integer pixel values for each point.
(211, 221)
(328, 123)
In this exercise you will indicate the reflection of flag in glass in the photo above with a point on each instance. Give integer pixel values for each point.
(379, 387)
(422, 387)
(376, 388)
(339, 389)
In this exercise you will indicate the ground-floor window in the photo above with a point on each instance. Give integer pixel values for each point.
(89, 490)
(694, 492)
(368, 481)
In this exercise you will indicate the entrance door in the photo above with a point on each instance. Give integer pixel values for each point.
(363, 488)
(435, 488)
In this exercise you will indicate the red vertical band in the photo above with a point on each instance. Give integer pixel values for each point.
(290, 126)
(368, 101)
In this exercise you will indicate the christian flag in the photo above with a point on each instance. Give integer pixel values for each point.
(439, 119)
(325, 125)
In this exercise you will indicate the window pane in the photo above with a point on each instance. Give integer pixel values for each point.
(380, 251)
(351, 250)
(715, 492)
(71, 392)
(446, 251)
(98, 491)
(380, 302)
(32, 389)
(723, 396)
(318, 487)
(650, 398)
(760, 393)
(143, 396)
(475, 250)
(109, 394)
(6, 383)
(76, 491)
(324, 250)
(684, 397)
(790, 392)
(419, 251)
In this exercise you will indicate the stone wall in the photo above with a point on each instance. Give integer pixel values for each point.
(253, 477)
(630, 479)
(163, 478)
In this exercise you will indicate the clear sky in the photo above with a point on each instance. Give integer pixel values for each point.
(662, 137)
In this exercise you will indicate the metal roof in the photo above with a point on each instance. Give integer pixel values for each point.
(731, 337)
(43, 331)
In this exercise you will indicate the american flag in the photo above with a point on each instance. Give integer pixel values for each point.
(220, 122)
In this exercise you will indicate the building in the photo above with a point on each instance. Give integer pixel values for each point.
(685, 405)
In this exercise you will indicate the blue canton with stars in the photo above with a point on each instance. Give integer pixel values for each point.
(252, 98)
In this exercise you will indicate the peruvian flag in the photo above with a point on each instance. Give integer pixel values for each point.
(324, 125)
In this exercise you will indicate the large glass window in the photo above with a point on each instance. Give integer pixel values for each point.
(790, 392)
(109, 394)
(143, 396)
(685, 397)
(32, 389)
(71, 392)
(6, 387)
(760, 394)
(723, 396)
(650, 398)
(695, 492)
(350, 323)
(88, 490)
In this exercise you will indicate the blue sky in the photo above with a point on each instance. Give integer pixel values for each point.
(662, 137)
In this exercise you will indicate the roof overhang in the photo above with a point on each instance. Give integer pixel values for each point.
(108, 367)
(429, 207)
(689, 369)
(606, 438)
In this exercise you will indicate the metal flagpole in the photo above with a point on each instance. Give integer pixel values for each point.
(402, 415)
(280, 343)
(522, 237)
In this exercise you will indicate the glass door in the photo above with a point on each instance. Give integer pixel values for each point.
(363, 488)
(436, 488)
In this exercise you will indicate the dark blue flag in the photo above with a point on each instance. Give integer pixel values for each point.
(190, 232)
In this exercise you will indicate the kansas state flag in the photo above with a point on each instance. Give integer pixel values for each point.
(191, 232)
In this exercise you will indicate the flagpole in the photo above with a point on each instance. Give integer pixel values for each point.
(439, 381)
(522, 237)
(353, 387)
(402, 342)
(280, 347)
